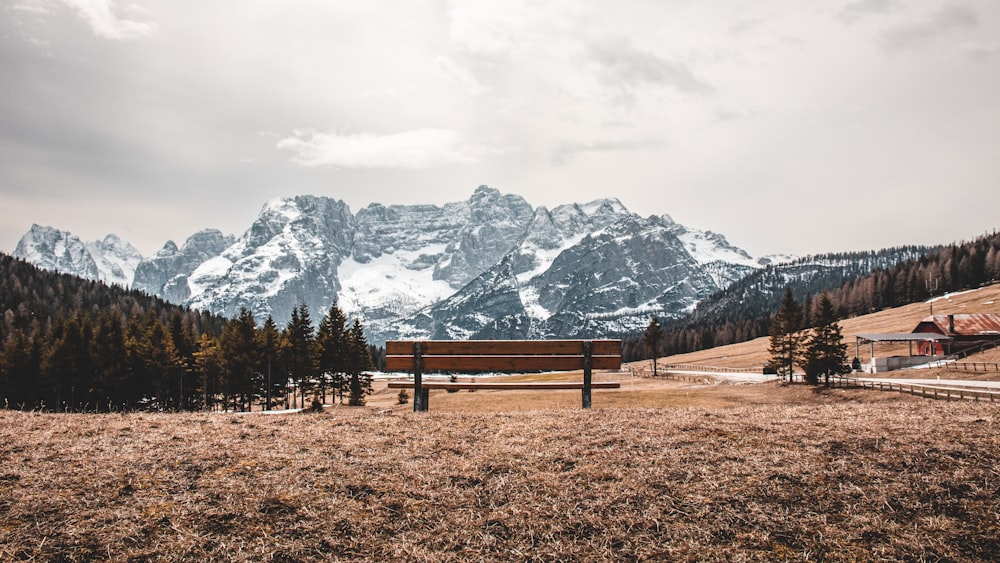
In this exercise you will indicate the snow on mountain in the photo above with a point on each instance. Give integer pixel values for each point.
(110, 260)
(720, 259)
(578, 271)
(488, 267)
(390, 287)
(116, 260)
(167, 273)
(288, 257)
(775, 259)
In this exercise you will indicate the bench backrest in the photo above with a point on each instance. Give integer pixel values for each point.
(502, 355)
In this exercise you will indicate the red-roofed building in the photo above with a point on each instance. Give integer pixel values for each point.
(966, 331)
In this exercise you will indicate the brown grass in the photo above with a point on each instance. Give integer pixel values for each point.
(658, 470)
(636, 392)
(812, 476)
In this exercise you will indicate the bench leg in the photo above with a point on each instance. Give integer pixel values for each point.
(421, 399)
(419, 393)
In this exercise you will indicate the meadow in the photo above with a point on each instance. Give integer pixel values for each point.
(659, 470)
(834, 475)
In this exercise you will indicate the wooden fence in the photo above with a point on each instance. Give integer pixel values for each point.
(694, 378)
(976, 349)
(717, 369)
(972, 366)
(923, 390)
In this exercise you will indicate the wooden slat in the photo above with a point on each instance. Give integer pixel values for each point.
(508, 385)
(503, 347)
(500, 363)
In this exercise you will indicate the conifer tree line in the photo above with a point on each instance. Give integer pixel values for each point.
(68, 344)
(745, 310)
(820, 351)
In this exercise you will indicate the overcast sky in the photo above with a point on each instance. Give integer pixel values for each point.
(788, 126)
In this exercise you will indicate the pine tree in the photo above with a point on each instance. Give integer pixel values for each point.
(651, 340)
(300, 357)
(332, 343)
(20, 364)
(271, 346)
(163, 366)
(65, 364)
(358, 362)
(786, 337)
(112, 376)
(208, 365)
(185, 342)
(238, 344)
(825, 352)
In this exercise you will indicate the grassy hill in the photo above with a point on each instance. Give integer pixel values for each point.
(753, 353)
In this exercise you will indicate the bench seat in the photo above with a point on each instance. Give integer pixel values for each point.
(505, 385)
(509, 356)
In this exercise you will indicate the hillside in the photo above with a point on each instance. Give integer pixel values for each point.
(753, 354)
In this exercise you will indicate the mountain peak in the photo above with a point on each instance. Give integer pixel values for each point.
(110, 260)
(489, 266)
(605, 206)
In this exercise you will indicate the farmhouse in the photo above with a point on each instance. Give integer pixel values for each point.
(965, 331)
(934, 336)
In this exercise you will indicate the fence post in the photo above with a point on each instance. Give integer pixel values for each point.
(588, 355)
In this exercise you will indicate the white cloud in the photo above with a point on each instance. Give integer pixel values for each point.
(623, 64)
(461, 75)
(100, 15)
(488, 27)
(567, 151)
(981, 51)
(422, 148)
(31, 6)
(863, 8)
(950, 18)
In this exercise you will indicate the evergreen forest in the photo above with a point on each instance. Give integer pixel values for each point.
(73, 345)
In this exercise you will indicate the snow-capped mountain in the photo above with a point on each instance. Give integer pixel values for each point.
(488, 267)
(168, 272)
(111, 260)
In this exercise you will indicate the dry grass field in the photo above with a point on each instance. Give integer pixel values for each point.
(659, 470)
(829, 475)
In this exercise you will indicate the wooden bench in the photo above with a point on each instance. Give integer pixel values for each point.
(510, 356)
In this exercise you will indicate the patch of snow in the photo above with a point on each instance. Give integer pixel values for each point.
(389, 282)
(529, 298)
(950, 295)
(206, 274)
(706, 248)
